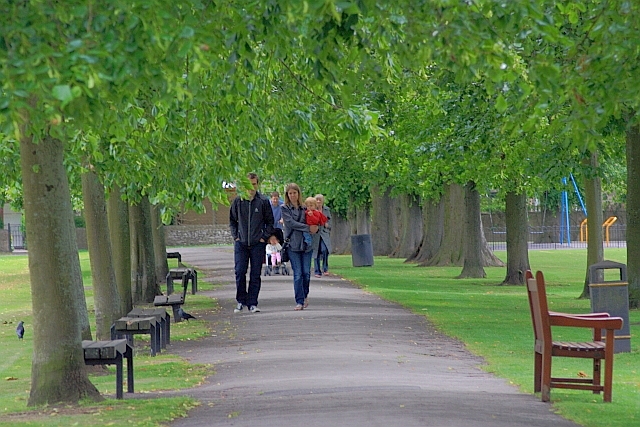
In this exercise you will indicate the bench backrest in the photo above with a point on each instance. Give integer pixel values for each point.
(539, 308)
(185, 282)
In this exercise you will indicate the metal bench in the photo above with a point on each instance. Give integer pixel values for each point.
(111, 353)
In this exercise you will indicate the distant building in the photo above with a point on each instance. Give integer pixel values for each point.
(218, 216)
(9, 216)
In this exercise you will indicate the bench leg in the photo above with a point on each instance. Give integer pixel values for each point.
(129, 356)
(158, 338)
(194, 283)
(176, 317)
(163, 333)
(119, 377)
(154, 344)
(168, 329)
(169, 284)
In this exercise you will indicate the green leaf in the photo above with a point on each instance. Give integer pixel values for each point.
(187, 33)
(62, 93)
(501, 104)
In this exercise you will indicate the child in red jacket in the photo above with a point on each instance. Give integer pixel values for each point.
(313, 217)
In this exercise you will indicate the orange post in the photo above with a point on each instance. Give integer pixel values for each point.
(583, 230)
(608, 223)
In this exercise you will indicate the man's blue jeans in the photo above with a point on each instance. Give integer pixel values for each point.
(243, 256)
(322, 258)
(301, 266)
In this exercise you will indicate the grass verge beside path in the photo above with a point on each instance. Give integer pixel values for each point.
(152, 374)
(494, 322)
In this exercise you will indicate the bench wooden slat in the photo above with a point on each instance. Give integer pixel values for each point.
(103, 349)
(135, 323)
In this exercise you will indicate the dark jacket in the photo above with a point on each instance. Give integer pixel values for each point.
(251, 220)
(324, 233)
(294, 226)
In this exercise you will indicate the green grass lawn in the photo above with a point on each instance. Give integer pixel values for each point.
(152, 374)
(494, 322)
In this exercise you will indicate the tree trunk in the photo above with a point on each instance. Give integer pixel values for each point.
(633, 214)
(411, 225)
(382, 219)
(58, 371)
(517, 236)
(159, 244)
(595, 241)
(363, 220)
(472, 242)
(433, 226)
(451, 249)
(118, 216)
(340, 235)
(144, 285)
(105, 290)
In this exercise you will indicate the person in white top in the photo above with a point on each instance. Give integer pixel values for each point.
(273, 251)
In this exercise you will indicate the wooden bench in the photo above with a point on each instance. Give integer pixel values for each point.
(111, 353)
(175, 255)
(545, 348)
(130, 326)
(163, 318)
(174, 301)
(179, 274)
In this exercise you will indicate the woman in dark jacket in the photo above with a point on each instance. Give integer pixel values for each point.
(293, 214)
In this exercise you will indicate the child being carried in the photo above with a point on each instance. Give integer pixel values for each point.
(313, 217)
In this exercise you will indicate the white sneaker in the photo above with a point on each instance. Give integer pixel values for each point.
(254, 309)
(238, 308)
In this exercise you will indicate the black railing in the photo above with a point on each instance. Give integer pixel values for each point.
(554, 237)
(17, 237)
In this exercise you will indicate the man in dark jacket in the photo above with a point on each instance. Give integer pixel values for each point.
(251, 223)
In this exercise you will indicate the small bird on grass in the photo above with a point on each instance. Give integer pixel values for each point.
(184, 315)
(20, 330)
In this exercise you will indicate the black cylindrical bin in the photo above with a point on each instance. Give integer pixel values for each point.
(361, 250)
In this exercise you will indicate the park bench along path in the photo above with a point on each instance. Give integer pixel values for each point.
(349, 359)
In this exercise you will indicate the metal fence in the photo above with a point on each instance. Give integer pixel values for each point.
(17, 236)
(555, 237)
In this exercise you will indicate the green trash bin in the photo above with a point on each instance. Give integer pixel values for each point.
(612, 297)
(361, 250)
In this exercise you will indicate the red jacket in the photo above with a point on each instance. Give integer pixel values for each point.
(315, 217)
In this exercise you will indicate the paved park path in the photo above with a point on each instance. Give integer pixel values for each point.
(349, 359)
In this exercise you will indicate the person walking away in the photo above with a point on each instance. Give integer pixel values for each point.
(251, 224)
(276, 208)
(322, 241)
(293, 215)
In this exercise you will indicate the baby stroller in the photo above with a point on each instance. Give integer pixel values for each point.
(280, 268)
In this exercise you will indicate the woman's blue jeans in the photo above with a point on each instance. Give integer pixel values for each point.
(301, 266)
